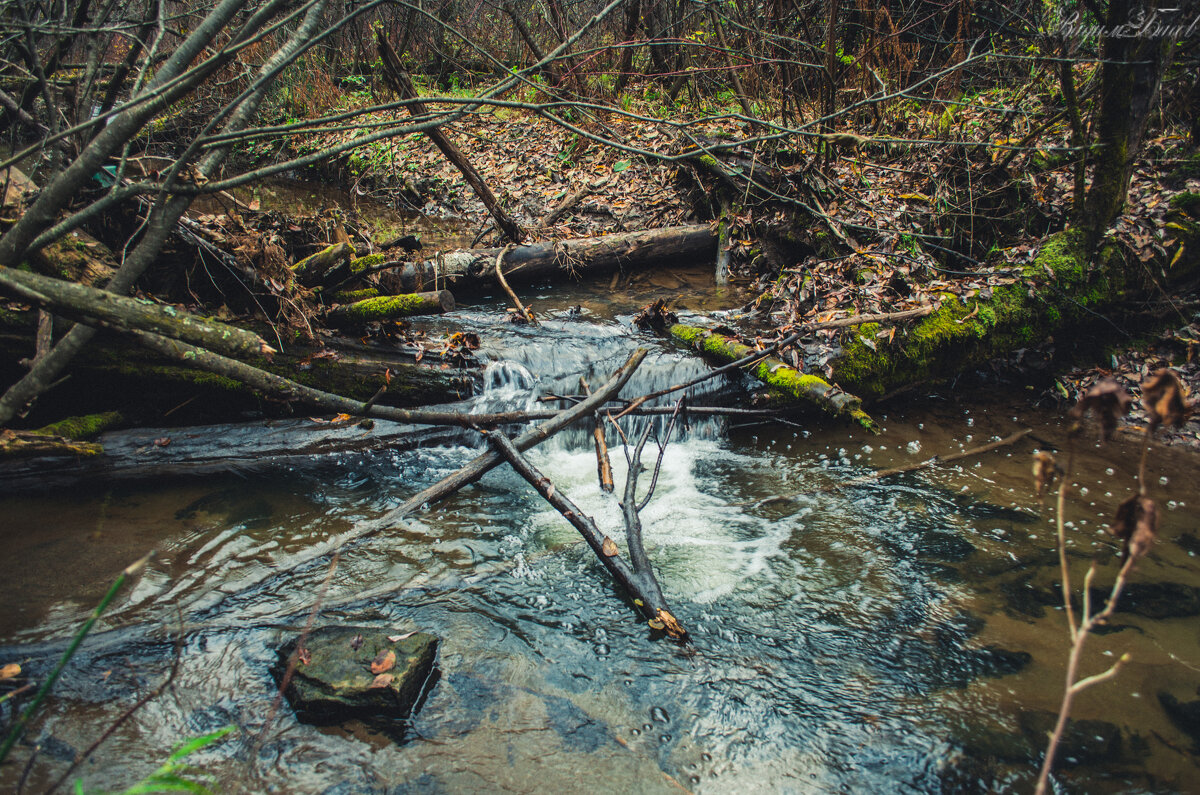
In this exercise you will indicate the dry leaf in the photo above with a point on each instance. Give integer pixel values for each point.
(609, 547)
(672, 625)
(656, 624)
(1109, 401)
(1136, 524)
(1044, 471)
(383, 680)
(398, 638)
(1163, 399)
(385, 661)
(304, 655)
(9, 671)
(356, 642)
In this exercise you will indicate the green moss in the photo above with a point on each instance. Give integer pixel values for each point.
(82, 428)
(350, 296)
(1064, 286)
(1188, 202)
(1188, 167)
(360, 264)
(382, 308)
(782, 379)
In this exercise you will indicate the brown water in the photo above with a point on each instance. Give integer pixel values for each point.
(865, 638)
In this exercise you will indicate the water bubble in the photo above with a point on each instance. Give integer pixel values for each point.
(913, 447)
(635, 732)
(868, 449)
(602, 650)
(705, 757)
(647, 727)
(920, 426)
(1083, 491)
(1163, 481)
(971, 422)
(694, 779)
(664, 738)
(659, 714)
(1110, 471)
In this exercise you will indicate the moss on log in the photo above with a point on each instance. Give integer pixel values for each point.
(388, 307)
(23, 444)
(1060, 288)
(350, 296)
(794, 386)
(95, 307)
(82, 428)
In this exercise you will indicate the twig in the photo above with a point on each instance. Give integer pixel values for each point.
(295, 656)
(603, 463)
(883, 473)
(644, 590)
(525, 313)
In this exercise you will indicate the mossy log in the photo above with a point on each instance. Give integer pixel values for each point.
(795, 386)
(95, 307)
(33, 444)
(117, 373)
(389, 307)
(475, 270)
(1062, 288)
(328, 266)
(82, 428)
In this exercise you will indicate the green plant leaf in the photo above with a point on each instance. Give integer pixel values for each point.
(621, 165)
(196, 743)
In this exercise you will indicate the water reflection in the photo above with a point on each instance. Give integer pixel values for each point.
(899, 635)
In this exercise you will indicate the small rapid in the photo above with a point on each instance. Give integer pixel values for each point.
(865, 635)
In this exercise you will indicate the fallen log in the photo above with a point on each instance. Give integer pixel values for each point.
(793, 385)
(98, 308)
(330, 264)
(1065, 288)
(388, 307)
(475, 270)
(204, 450)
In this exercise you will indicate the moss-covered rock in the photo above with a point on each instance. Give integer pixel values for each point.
(1062, 287)
(356, 672)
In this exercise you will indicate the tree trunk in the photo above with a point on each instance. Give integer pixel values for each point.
(1130, 75)
(400, 82)
(475, 269)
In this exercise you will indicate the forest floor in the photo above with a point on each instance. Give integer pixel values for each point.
(896, 203)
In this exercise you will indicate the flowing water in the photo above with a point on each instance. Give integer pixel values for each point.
(897, 635)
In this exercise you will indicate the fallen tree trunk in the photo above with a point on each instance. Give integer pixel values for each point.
(811, 390)
(203, 450)
(94, 307)
(1064, 288)
(475, 270)
(388, 307)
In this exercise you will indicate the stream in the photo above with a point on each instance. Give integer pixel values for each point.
(901, 635)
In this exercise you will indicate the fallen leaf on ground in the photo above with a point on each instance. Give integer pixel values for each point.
(9, 671)
(383, 680)
(385, 661)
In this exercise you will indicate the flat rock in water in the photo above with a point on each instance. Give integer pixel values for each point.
(347, 672)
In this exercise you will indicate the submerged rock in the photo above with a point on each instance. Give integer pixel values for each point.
(1184, 714)
(356, 672)
(1083, 741)
(1154, 599)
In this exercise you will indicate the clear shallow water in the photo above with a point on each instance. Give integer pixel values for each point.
(893, 636)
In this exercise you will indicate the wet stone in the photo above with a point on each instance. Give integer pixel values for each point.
(943, 546)
(336, 682)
